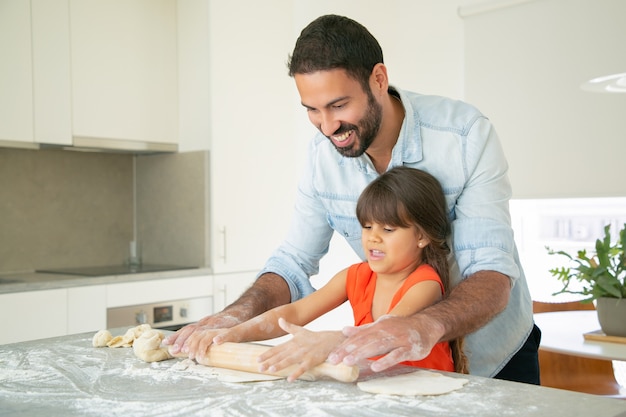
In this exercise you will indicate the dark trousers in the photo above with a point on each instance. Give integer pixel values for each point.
(524, 365)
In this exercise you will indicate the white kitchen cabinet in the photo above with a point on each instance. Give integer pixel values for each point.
(228, 287)
(253, 151)
(194, 123)
(252, 145)
(52, 112)
(16, 74)
(33, 315)
(124, 70)
(157, 290)
(86, 309)
(35, 105)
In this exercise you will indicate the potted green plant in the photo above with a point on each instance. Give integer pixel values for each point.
(602, 277)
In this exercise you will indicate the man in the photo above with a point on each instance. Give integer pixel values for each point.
(367, 127)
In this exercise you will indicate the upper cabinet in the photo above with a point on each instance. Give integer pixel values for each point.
(90, 73)
(124, 70)
(35, 104)
(16, 81)
(52, 112)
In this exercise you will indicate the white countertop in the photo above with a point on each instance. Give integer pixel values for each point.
(37, 281)
(67, 376)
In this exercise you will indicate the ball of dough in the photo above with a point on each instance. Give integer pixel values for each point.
(101, 338)
(147, 347)
(129, 337)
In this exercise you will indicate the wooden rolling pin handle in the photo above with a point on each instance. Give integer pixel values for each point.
(243, 357)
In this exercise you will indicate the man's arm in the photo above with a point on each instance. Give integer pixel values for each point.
(268, 291)
(470, 305)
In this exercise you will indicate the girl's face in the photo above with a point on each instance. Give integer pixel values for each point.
(391, 249)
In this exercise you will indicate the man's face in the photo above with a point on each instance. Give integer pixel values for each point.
(337, 105)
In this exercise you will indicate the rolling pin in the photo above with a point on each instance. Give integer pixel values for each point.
(243, 357)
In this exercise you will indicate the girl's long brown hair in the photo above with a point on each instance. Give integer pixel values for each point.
(405, 197)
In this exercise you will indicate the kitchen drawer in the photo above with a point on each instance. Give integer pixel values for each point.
(86, 309)
(152, 291)
(33, 315)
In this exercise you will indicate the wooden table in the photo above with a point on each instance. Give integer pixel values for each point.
(562, 332)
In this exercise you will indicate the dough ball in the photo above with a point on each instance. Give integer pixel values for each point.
(147, 347)
(101, 338)
(149, 340)
(129, 337)
(139, 330)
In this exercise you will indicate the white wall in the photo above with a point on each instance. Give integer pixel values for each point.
(524, 66)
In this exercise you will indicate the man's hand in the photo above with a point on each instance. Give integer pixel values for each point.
(197, 336)
(401, 338)
(470, 305)
(267, 292)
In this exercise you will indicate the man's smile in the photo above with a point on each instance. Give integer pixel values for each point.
(343, 140)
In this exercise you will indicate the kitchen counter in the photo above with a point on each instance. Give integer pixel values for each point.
(36, 281)
(66, 376)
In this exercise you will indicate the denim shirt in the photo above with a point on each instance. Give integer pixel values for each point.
(455, 143)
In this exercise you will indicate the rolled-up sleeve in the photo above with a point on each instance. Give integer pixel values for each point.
(481, 231)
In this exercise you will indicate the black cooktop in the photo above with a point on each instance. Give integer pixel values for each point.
(99, 271)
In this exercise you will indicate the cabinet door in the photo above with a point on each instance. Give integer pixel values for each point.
(194, 124)
(86, 309)
(253, 149)
(124, 69)
(228, 287)
(16, 77)
(33, 315)
(52, 113)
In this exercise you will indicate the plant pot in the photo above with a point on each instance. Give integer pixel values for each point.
(612, 315)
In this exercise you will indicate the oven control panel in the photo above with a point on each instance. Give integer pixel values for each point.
(169, 315)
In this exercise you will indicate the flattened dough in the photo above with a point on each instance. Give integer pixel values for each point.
(414, 383)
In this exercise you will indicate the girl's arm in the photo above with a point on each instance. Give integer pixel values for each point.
(418, 297)
(305, 350)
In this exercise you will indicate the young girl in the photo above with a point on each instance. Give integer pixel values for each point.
(404, 219)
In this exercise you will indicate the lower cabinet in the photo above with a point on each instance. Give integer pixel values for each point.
(86, 309)
(228, 287)
(33, 315)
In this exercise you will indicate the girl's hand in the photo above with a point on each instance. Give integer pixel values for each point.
(304, 351)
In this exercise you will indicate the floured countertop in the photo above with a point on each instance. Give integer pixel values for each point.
(67, 376)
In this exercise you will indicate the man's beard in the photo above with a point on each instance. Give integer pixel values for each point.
(366, 130)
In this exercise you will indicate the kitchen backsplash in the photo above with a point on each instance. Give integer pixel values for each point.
(173, 208)
(72, 209)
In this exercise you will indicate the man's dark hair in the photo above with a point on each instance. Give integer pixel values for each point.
(331, 42)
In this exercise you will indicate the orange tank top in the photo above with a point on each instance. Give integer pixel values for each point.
(360, 287)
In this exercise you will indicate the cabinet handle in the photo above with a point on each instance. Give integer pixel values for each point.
(223, 233)
(223, 292)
